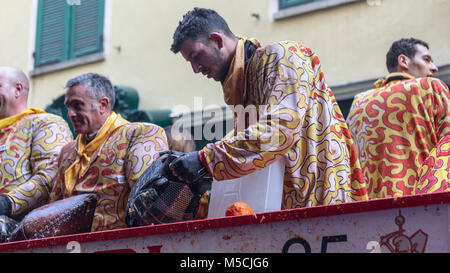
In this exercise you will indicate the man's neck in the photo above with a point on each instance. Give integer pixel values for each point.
(15, 111)
(231, 45)
(90, 136)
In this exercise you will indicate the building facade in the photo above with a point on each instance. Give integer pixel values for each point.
(129, 42)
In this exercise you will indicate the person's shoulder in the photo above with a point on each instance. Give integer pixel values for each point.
(288, 45)
(142, 128)
(363, 97)
(363, 94)
(427, 85)
(47, 117)
(288, 50)
(46, 120)
(274, 52)
(142, 125)
(431, 80)
(284, 43)
(273, 47)
(71, 146)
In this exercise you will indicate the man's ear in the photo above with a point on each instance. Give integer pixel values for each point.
(403, 62)
(217, 39)
(104, 105)
(18, 89)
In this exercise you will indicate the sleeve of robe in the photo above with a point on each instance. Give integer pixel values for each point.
(50, 136)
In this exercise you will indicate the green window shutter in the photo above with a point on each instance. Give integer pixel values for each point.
(52, 34)
(284, 4)
(87, 28)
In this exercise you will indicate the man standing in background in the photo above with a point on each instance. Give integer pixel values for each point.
(396, 125)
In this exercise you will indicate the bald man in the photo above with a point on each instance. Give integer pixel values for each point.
(30, 140)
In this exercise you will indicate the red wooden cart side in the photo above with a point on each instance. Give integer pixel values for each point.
(420, 222)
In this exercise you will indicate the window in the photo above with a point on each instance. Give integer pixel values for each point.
(67, 30)
(286, 8)
(284, 4)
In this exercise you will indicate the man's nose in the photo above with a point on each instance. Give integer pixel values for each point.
(434, 68)
(197, 68)
(70, 113)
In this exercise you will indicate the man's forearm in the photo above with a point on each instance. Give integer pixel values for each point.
(28, 196)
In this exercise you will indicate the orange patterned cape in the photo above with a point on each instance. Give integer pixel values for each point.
(29, 149)
(124, 156)
(298, 121)
(395, 127)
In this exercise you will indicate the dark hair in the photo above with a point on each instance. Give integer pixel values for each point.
(96, 86)
(406, 47)
(197, 24)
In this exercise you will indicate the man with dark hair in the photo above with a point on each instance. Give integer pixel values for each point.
(30, 139)
(411, 56)
(396, 125)
(297, 118)
(107, 157)
(193, 28)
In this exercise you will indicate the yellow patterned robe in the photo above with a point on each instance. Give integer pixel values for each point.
(395, 127)
(125, 155)
(29, 152)
(300, 123)
(434, 174)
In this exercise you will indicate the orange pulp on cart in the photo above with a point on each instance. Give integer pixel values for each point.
(238, 208)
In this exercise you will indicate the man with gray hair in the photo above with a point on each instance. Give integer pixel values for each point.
(107, 157)
(30, 141)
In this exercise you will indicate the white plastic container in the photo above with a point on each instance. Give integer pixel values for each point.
(262, 190)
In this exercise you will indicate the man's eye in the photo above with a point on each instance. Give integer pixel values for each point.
(197, 57)
(75, 106)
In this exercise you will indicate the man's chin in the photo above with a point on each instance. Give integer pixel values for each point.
(79, 131)
(211, 77)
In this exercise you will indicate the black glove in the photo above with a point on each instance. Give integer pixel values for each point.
(188, 168)
(5, 205)
(148, 187)
(160, 197)
(7, 226)
(138, 213)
